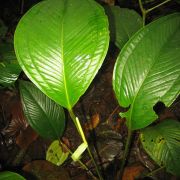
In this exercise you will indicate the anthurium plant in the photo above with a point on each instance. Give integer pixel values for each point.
(61, 45)
(61, 56)
(147, 71)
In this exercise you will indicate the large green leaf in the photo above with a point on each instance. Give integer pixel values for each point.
(61, 45)
(162, 143)
(7, 175)
(9, 67)
(43, 114)
(123, 24)
(148, 70)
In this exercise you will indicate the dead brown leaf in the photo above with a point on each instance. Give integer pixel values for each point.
(93, 123)
(132, 172)
(18, 121)
(118, 125)
(66, 144)
(44, 170)
(26, 137)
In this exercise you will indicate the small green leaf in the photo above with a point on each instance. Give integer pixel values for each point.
(9, 67)
(61, 45)
(7, 175)
(55, 153)
(162, 143)
(147, 70)
(43, 114)
(123, 24)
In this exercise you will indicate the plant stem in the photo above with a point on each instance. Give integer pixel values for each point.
(126, 152)
(81, 133)
(155, 171)
(22, 7)
(79, 161)
(143, 11)
(151, 9)
(146, 11)
(73, 117)
(96, 166)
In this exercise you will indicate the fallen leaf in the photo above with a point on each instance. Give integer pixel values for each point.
(18, 121)
(55, 153)
(65, 145)
(92, 124)
(109, 145)
(132, 172)
(26, 137)
(44, 170)
(120, 123)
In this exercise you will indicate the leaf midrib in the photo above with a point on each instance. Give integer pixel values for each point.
(62, 53)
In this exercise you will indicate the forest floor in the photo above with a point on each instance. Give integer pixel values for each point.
(23, 151)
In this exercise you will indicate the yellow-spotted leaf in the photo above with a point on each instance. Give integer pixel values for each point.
(162, 143)
(56, 154)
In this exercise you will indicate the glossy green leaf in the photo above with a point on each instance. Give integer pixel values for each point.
(9, 67)
(7, 175)
(61, 45)
(55, 153)
(123, 24)
(162, 143)
(148, 70)
(44, 115)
